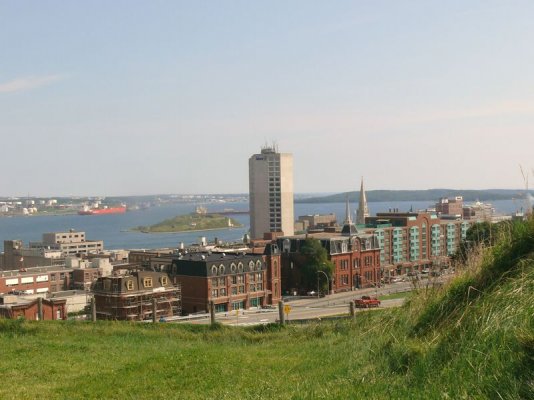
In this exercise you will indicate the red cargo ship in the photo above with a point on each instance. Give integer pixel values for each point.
(100, 211)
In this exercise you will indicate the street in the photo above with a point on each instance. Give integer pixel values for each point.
(307, 307)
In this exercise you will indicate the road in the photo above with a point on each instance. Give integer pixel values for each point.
(310, 307)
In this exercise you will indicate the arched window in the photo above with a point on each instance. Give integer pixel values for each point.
(222, 268)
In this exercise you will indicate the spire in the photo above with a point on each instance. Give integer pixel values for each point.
(348, 227)
(348, 219)
(363, 210)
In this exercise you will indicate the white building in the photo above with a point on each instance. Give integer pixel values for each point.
(271, 193)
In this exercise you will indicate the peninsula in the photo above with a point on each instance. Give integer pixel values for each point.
(190, 222)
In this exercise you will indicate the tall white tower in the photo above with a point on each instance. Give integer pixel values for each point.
(363, 210)
(271, 192)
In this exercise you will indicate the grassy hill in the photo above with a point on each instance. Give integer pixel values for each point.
(473, 339)
(190, 222)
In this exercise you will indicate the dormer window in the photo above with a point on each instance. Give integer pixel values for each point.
(129, 284)
(164, 280)
(147, 282)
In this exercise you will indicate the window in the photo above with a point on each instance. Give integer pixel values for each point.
(147, 282)
(214, 293)
(234, 280)
(234, 291)
(222, 292)
(214, 282)
(222, 268)
(129, 284)
(275, 268)
(164, 280)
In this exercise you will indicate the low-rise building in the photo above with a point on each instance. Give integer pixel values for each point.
(356, 260)
(69, 243)
(51, 309)
(17, 256)
(36, 280)
(232, 281)
(130, 296)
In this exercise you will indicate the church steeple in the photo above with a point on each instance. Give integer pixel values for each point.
(363, 210)
(348, 227)
(348, 219)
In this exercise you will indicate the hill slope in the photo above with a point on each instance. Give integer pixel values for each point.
(473, 339)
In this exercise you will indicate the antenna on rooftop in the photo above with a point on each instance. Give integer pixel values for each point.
(528, 203)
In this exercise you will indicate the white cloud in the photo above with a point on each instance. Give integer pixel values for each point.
(27, 83)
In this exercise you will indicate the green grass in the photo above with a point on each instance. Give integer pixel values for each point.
(471, 340)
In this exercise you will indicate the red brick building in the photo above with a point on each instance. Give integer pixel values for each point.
(414, 241)
(36, 280)
(52, 309)
(231, 280)
(356, 259)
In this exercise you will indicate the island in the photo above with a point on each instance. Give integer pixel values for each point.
(191, 222)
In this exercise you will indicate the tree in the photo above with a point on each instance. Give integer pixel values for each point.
(479, 234)
(315, 259)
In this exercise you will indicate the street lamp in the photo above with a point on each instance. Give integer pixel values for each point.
(327, 282)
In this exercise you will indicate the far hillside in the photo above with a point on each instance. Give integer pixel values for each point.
(419, 195)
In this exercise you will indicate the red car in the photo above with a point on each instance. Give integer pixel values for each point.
(367, 302)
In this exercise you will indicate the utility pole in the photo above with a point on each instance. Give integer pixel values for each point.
(281, 315)
(40, 308)
(93, 309)
(212, 312)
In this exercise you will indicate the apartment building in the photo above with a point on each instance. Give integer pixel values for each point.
(413, 241)
(271, 192)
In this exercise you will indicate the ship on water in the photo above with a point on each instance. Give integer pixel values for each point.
(86, 210)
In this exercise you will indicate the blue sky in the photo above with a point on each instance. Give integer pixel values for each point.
(136, 97)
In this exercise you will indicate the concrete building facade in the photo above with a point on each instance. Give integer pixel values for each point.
(69, 243)
(271, 192)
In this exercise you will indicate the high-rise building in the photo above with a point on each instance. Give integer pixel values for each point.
(271, 192)
(363, 210)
